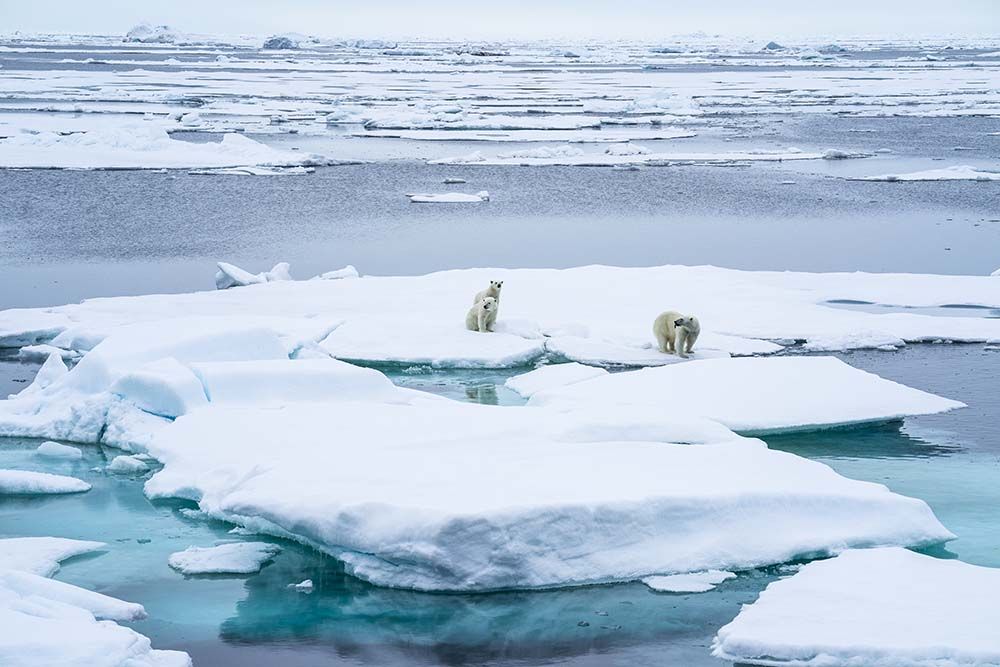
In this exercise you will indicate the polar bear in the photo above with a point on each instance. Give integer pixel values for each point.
(676, 333)
(482, 316)
(493, 290)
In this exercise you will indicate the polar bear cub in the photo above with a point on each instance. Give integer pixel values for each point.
(676, 333)
(482, 316)
(493, 290)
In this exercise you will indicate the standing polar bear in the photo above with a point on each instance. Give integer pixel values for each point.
(482, 316)
(676, 333)
(493, 290)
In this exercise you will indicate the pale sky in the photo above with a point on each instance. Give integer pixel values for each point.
(529, 19)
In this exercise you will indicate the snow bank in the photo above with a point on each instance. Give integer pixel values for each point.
(54, 450)
(957, 173)
(518, 497)
(694, 582)
(138, 147)
(230, 275)
(871, 607)
(232, 558)
(163, 387)
(551, 376)
(41, 555)
(450, 198)
(756, 395)
(24, 482)
(339, 274)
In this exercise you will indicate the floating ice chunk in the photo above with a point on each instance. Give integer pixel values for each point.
(286, 380)
(230, 275)
(453, 181)
(957, 173)
(347, 272)
(757, 394)
(53, 450)
(41, 555)
(164, 387)
(128, 465)
(449, 198)
(519, 497)
(857, 340)
(837, 154)
(652, 159)
(231, 558)
(23, 482)
(280, 42)
(552, 375)
(40, 353)
(543, 152)
(694, 582)
(303, 586)
(884, 606)
(53, 369)
(148, 34)
(773, 46)
(253, 171)
(627, 149)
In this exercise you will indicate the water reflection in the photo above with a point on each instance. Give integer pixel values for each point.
(875, 441)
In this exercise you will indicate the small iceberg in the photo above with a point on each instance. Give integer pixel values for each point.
(694, 582)
(230, 558)
(127, 465)
(339, 274)
(24, 482)
(230, 275)
(53, 450)
(253, 171)
(303, 586)
(450, 198)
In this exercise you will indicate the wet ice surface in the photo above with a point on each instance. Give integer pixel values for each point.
(951, 460)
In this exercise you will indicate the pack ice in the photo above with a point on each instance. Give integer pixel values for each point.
(48, 622)
(884, 606)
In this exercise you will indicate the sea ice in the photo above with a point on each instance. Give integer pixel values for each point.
(551, 375)
(24, 482)
(229, 558)
(127, 465)
(164, 387)
(957, 173)
(230, 275)
(450, 198)
(303, 586)
(41, 555)
(54, 450)
(694, 582)
(756, 394)
(884, 606)
(40, 353)
(338, 274)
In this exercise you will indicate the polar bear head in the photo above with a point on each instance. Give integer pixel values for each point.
(689, 323)
(496, 284)
(489, 303)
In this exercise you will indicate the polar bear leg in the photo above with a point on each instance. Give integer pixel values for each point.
(661, 342)
(691, 338)
(491, 319)
(680, 337)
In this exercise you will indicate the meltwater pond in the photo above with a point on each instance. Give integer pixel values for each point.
(951, 460)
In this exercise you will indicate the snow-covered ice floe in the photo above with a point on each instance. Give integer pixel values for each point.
(563, 156)
(871, 607)
(450, 198)
(230, 558)
(48, 622)
(24, 482)
(742, 313)
(54, 450)
(230, 275)
(755, 395)
(139, 147)
(957, 173)
(551, 376)
(253, 171)
(693, 582)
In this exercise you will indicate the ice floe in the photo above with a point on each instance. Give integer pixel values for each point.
(693, 582)
(339, 274)
(24, 482)
(139, 147)
(957, 173)
(755, 395)
(230, 275)
(230, 558)
(541, 157)
(127, 465)
(871, 607)
(305, 586)
(41, 555)
(551, 376)
(254, 171)
(53, 450)
(450, 198)
(150, 34)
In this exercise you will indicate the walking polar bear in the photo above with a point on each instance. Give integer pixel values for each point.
(676, 333)
(482, 316)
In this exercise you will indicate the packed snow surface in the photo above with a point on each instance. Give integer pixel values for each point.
(24, 482)
(41, 555)
(231, 558)
(755, 394)
(551, 376)
(884, 606)
(693, 582)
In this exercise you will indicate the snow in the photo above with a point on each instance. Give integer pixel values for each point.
(163, 387)
(23, 482)
(230, 275)
(138, 147)
(956, 173)
(550, 376)
(450, 198)
(627, 149)
(339, 274)
(884, 606)
(756, 394)
(254, 171)
(518, 497)
(127, 465)
(41, 555)
(147, 34)
(41, 353)
(544, 152)
(694, 582)
(231, 558)
(50, 371)
(54, 450)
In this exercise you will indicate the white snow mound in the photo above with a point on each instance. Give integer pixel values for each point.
(231, 558)
(24, 482)
(693, 582)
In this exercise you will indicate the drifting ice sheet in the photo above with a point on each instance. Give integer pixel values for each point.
(24, 482)
(232, 558)
(450, 198)
(962, 173)
(871, 607)
(41, 555)
(693, 582)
